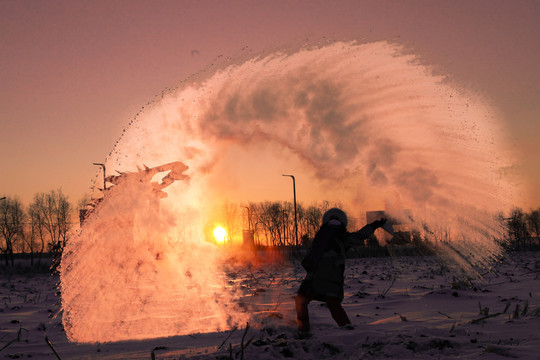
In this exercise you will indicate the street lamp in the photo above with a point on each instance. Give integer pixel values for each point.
(104, 183)
(295, 217)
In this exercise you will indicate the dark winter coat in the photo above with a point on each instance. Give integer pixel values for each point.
(325, 262)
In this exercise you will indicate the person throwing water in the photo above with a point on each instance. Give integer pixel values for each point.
(325, 266)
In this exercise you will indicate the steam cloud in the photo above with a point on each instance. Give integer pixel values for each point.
(366, 120)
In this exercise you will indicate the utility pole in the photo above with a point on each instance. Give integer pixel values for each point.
(295, 216)
(104, 176)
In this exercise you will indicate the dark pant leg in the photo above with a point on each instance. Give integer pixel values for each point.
(302, 314)
(337, 311)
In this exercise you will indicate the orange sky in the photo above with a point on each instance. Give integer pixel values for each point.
(73, 74)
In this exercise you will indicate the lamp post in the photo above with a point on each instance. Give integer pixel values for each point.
(104, 182)
(295, 217)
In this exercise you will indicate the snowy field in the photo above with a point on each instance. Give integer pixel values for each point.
(401, 308)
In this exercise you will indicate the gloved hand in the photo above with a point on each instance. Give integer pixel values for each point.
(379, 223)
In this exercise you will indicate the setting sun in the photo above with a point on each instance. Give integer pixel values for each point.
(220, 234)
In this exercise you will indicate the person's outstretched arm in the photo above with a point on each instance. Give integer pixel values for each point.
(358, 237)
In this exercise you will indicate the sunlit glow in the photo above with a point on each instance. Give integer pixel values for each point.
(368, 120)
(220, 234)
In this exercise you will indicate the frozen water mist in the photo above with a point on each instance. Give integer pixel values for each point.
(136, 271)
(367, 123)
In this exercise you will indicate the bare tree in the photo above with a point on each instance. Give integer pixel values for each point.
(272, 222)
(30, 239)
(231, 214)
(84, 207)
(533, 222)
(50, 213)
(259, 222)
(270, 217)
(83, 202)
(313, 218)
(517, 226)
(11, 226)
(255, 218)
(38, 230)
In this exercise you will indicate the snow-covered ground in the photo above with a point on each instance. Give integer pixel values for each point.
(401, 307)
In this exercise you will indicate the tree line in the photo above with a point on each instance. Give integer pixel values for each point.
(523, 228)
(44, 225)
(272, 223)
(39, 228)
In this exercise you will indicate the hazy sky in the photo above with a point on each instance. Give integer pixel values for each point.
(74, 73)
